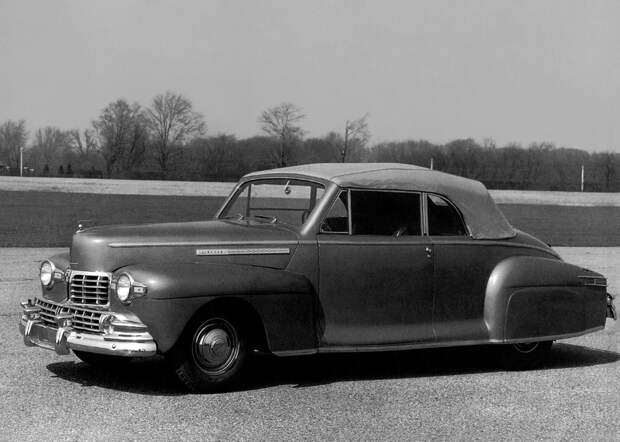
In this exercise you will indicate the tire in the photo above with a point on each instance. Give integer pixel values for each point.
(102, 361)
(211, 354)
(525, 356)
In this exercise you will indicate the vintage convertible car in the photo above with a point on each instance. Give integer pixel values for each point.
(313, 259)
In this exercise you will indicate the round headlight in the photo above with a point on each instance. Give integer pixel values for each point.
(123, 287)
(46, 273)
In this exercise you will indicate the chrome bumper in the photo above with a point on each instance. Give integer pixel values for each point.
(123, 336)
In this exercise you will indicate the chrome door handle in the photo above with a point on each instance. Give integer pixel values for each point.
(429, 252)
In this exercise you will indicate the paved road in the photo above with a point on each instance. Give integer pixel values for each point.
(455, 394)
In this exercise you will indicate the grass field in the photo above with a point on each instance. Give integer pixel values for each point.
(48, 219)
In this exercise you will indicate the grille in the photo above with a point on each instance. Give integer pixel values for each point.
(82, 319)
(48, 311)
(89, 288)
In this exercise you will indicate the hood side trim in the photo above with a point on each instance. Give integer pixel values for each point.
(198, 243)
(258, 251)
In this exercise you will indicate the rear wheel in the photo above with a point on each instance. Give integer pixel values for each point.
(524, 356)
(211, 354)
(102, 361)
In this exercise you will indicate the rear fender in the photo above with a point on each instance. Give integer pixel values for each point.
(175, 293)
(531, 297)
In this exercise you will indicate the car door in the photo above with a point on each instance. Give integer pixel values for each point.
(375, 270)
(462, 268)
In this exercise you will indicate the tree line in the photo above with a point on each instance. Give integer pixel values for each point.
(168, 139)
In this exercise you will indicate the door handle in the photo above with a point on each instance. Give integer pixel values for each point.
(429, 252)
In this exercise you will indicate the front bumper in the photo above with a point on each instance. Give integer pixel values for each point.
(123, 337)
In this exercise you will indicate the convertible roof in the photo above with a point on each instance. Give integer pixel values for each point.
(483, 218)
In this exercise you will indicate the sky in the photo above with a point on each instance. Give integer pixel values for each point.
(512, 71)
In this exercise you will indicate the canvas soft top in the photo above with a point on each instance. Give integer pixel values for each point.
(483, 218)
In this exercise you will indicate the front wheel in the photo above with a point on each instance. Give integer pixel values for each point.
(524, 356)
(211, 354)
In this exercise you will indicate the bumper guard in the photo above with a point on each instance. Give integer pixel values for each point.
(121, 335)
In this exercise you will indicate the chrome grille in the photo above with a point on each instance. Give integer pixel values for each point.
(82, 319)
(48, 311)
(89, 288)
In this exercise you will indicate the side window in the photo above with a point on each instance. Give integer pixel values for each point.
(443, 219)
(337, 219)
(385, 213)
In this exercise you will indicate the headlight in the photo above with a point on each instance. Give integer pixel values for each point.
(46, 273)
(123, 287)
(127, 288)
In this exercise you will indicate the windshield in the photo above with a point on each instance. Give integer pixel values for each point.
(278, 200)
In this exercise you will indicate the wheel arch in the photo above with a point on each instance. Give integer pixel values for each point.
(237, 309)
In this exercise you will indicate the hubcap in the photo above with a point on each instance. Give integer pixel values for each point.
(215, 346)
(527, 347)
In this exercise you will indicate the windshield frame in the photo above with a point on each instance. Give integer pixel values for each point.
(295, 180)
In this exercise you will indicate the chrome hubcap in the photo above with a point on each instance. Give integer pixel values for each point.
(215, 346)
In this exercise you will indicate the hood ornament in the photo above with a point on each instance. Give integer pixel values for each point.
(83, 225)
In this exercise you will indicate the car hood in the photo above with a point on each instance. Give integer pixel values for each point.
(108, 248)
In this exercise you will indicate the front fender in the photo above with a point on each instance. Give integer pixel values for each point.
(528, 297)
(58, 291)
(284, 301)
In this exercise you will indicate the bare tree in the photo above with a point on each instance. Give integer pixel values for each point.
(355, 132)
(281, 122)
(172, 122)
(83, 143)
(13, 137)
(49, 146)
(121, 136)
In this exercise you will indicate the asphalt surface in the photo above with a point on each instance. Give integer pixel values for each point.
(431, 394)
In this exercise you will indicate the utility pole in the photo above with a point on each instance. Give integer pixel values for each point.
(582, 176)
(21, 161)
(431, 163)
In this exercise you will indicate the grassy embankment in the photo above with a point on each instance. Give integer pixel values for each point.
(48, 219)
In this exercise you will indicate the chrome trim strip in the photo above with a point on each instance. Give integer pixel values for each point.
(393, 241)
(415, 346)
(260, 251)
(424, 213)
(308, 351)
(593, 280)
(350, 214)
(198, 243)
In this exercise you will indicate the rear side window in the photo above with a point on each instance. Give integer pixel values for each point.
(385, 213)
(443, 218)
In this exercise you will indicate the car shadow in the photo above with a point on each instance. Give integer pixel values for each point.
(154, 377)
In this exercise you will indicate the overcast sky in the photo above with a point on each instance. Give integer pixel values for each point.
(438, 70)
